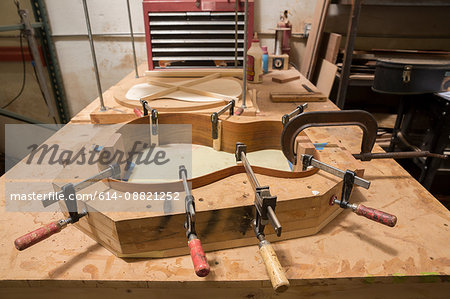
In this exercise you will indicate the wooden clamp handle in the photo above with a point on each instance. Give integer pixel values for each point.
(138, 112)
(201, 265)
(276, 273)
(376, 215)
(38, 235)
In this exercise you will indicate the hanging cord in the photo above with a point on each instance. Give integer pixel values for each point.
(24, 69)
(23, 77)
(23, 64)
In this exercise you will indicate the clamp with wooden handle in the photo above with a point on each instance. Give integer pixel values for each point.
(68, 194)
(350, 179)
(201, 266)
(138, 112)
(52, 228)
(265, 204)
(40, 234)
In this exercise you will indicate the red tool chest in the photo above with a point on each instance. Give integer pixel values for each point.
(194, 33)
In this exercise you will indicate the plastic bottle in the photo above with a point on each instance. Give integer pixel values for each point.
(254, 61)
(265, 59)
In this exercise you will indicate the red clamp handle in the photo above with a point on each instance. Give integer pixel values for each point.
(239, 111)
(201, 265)
(376, 215)
(138, 112)
(37, 236)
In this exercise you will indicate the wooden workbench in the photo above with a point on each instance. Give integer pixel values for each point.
(351, 257)
(116, 112)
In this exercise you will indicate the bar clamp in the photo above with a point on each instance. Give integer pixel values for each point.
(154, 115)
(299, 110)
(265, 204)
(68, 193)
(349, 180)
(198, 256)
(215, 117)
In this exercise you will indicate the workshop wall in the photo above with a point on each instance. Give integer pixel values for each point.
(31, 103)
(113, 48)
(109, 23)
(267, 15)
(114, 53)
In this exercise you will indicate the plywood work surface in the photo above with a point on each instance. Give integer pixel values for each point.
(350, 256)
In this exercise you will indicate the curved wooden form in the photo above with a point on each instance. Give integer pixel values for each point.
(224, 209)
(257, 135)
(204, 180)
(166, 97)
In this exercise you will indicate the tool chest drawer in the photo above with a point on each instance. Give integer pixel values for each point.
(195, 33)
